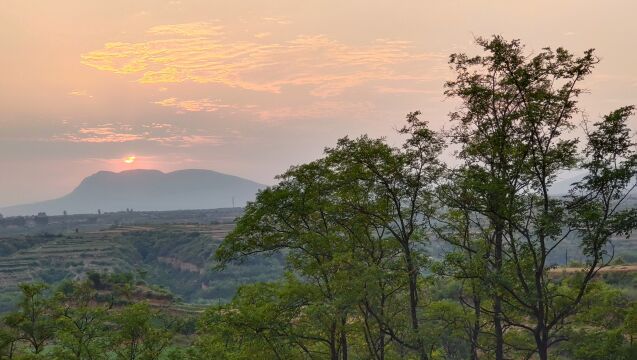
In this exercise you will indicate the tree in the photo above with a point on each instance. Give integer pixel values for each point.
(465, 262)
(361, 207)
(81, 324)
(139, 334)
(512, 130)
(398, 186)
(33, 322)
(298, 216)
(276, 320)
(601, 329)
(8, 342)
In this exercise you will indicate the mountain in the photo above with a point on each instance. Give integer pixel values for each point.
(149, 190)
(564, 183)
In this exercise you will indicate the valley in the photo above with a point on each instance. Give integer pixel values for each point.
(172, 250)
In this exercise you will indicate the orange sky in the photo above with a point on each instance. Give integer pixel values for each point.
(251, 87)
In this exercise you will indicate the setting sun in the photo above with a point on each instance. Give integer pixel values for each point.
(129, 159)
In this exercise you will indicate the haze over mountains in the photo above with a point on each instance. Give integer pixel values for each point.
(150, 190)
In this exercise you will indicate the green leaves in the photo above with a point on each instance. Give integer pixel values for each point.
(137, 334)
(353, 228)
(33, 322)
(513, 132)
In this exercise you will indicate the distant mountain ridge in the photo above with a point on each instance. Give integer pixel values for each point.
(150, 190)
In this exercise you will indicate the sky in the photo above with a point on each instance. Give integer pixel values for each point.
(252, 87)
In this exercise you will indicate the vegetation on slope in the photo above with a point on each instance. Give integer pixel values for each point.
(177, 257)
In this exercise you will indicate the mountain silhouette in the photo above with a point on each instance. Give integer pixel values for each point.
(148, 190)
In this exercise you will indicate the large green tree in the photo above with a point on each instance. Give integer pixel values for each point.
(513, 130)
(396, 185)
(297, 216)
(354, 220)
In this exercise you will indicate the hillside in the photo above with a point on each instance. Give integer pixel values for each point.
(149, 190)
(175, 256)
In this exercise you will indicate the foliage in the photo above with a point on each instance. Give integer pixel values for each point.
(356, 224)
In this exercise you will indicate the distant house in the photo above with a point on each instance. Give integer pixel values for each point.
(41, 219)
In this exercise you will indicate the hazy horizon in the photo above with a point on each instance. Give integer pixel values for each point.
(146, 190)
(251, 88)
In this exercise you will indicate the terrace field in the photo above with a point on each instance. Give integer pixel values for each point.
(175, 256)
(174, 250)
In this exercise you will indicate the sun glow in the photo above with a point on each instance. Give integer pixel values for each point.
(129, 159)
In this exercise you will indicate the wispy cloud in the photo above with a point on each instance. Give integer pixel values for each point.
(100, 134)
(200, 53)
(81, 93)
(163, 133)
(316, 109)
(277, 20)
(404, 90)
(195, 29)
(262, 35)
(204, 105)
(190, 140)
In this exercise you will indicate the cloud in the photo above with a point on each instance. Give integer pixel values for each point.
(277, 20)
(262, 35)
(190, 140)
(316, 109)
(195, 29)
(163, 133)
(324, 67)
(319, 109)
(205, 105)
(101, 134)
(81, 93)
(404, 90)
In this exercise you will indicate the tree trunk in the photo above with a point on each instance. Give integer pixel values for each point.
(333, 343)
(476, 326)
(381, 350)
(541, 342)
(413, 303)
(333, 351)
(497, 301)
(343, 338)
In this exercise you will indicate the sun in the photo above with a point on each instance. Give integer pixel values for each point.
(129, 159)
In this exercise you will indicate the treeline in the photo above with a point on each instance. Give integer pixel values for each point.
(117, 316)
(106, 316)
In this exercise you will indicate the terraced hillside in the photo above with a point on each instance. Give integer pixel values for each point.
(170, 249)
(176, 256)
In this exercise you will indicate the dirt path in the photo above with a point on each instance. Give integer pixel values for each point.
(608, 269)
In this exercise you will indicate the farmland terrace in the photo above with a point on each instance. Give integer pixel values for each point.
(176, 254)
